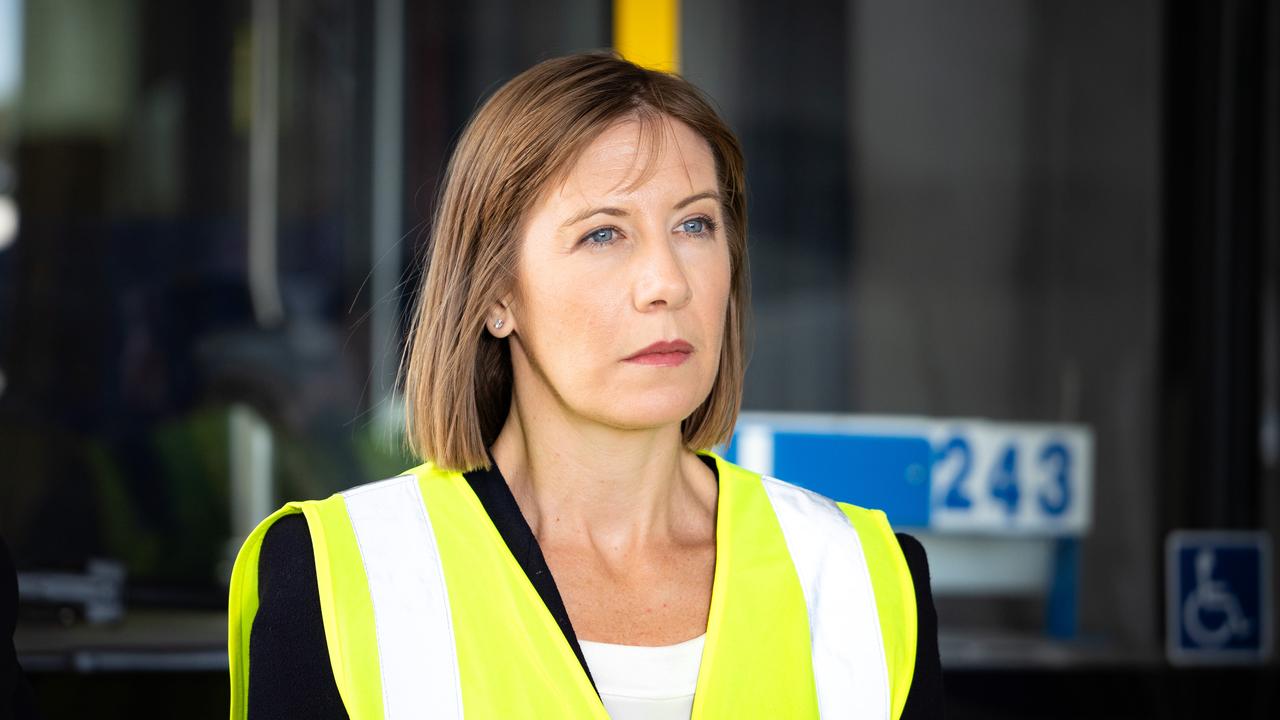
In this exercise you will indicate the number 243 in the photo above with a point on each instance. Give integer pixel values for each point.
(1003, 483)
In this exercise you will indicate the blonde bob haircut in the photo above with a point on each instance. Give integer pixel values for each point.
(457, 378)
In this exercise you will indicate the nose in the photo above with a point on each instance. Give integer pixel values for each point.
(660, 276)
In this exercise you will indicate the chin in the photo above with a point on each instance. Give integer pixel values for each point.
(652, 409)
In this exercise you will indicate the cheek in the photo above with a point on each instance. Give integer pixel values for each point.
(569, 322)
(715, 288)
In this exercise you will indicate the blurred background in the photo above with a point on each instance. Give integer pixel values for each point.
(1030, 242)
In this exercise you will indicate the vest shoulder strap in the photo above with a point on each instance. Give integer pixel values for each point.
(895, 597)
(363, 533)
(833, 565)
(409, 599)
(347, 625)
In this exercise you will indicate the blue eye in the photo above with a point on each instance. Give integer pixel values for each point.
(698, 226)
(602, 236)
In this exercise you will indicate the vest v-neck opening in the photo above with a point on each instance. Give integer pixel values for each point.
(494, 494)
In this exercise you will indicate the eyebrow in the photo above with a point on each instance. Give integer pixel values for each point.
(619, 212)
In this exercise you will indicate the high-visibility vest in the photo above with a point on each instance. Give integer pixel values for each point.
(427, 613)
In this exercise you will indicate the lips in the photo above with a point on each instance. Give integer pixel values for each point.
(666, 353)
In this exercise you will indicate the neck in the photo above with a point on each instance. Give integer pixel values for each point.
(582, 483)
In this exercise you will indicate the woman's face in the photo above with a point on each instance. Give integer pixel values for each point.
(608, 268)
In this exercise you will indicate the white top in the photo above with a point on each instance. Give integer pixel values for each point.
(655, 683)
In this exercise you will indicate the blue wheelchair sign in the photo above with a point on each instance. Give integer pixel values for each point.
(1218, 605)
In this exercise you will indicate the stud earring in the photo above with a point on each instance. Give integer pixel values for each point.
(497, 324)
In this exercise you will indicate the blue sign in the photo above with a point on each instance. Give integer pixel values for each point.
(948, 475)
(1218, 605)
(886, 472)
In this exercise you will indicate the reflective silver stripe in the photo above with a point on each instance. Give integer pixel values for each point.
(849, 667)
(416, 654)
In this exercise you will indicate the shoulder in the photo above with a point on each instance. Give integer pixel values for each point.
(283, 541)
(287, 584)
(286, 539)
(894, 561)
(895, 565)
(286, 564)
(407, 486)
(926, 697)
(917, 560)
(289, 662)
(812, 513)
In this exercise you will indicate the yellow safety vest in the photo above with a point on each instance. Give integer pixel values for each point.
(427, 614)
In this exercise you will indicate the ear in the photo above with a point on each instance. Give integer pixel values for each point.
(499, 320)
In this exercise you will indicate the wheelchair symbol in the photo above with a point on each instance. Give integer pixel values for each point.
(1211, 614)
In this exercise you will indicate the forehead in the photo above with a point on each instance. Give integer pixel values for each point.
(651, 155)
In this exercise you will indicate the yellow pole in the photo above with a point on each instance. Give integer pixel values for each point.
(647, 32)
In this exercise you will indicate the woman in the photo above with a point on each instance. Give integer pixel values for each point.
(571, 548)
